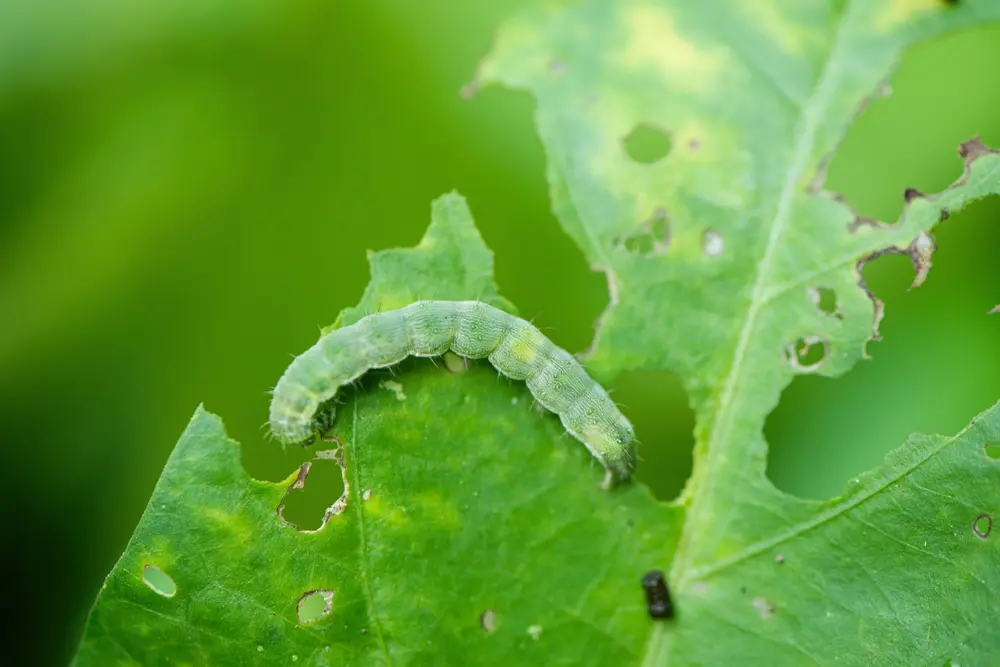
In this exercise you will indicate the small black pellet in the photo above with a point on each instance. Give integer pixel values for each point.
(657, 595)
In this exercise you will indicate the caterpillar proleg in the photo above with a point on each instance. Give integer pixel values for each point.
(470, 329)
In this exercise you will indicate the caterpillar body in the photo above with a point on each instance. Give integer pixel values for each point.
(300, 406)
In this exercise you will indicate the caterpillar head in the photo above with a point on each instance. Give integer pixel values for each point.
(291, 431)
(613, 442)
(301, 428)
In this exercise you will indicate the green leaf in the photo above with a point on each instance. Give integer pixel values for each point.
(472, 531)
(451, 263)
(471, 525)
(733, 289)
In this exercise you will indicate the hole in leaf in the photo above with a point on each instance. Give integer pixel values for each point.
(640, 244)
(647, 144)
(651, 237)
(659, 230)
(314, 605)
(488, 620)
(561, 293)
(657, 405)
(808, 353)
(659, 226)
(712, 243)
(993, 450)
(311, 501)
(159, 581)
(825, 300)
(982, 526)
(825, 431)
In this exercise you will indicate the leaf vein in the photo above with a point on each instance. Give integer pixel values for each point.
(719, 433)
(821, 518)
(363, 537)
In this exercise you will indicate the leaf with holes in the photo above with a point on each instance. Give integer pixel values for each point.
(754, 280)
(470, 524)
(686, 146)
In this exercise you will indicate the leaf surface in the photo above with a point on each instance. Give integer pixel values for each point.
(473, 532)
(719, 255)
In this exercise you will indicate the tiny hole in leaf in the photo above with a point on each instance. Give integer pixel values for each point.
(640, 244)
(993, 450)
(488, 620)
(659, 227)
(982, 526)
(825, 300)
(652, 236)
(647, 144)
(314, 605)
(159, 581)
(808, 353)
(712, 243)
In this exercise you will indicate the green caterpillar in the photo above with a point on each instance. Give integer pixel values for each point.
(471, 329)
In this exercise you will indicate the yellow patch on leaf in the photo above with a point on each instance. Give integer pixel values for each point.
(654, 41)
(892, 13)
(774, 21)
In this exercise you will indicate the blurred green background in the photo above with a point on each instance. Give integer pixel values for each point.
(187, 191)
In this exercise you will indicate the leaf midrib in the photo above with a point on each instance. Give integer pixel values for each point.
(718, 441)
(707, 456)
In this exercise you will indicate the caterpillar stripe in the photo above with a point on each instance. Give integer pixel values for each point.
(471, 329)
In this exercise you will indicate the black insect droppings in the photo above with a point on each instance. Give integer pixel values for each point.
(657, 595)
